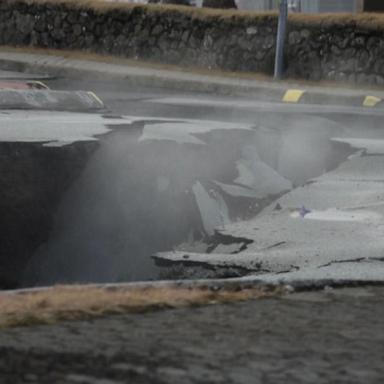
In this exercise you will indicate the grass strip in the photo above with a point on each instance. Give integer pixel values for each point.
(79, 302)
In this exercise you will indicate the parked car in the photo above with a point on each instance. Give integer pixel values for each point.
(10, 84)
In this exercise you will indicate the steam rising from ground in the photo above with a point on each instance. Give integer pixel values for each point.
(153, 185)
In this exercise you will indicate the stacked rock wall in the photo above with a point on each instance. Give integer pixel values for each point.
(348, 48)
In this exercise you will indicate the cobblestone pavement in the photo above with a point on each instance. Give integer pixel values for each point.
(334, 336)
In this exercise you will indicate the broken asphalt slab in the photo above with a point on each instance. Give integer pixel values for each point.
(336, 238)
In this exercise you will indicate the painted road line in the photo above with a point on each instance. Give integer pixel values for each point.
(371, 101)
(97, 98)
(293, 95)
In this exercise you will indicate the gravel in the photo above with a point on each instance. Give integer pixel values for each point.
(331, 336)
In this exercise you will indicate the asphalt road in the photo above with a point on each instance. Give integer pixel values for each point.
(123, 98)
(332, 336)
(190, 143)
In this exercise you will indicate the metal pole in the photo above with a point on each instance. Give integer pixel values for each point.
(280, 39)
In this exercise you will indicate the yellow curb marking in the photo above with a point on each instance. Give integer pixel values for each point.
(371, 101)
(97, 98)
(293, 95)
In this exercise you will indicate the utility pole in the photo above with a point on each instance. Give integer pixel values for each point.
(280, 39)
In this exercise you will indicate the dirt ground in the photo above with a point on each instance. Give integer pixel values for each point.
(332, 336)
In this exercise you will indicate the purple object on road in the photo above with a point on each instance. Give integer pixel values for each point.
(304, 211)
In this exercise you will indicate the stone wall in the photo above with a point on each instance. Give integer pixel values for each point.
(331, 50)
(340, 47)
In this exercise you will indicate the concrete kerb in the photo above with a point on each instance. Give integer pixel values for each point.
(285, 92)
(231, 284)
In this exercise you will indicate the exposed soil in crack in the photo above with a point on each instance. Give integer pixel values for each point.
(220, 238)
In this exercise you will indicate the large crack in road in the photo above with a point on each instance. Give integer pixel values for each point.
(331, 218)
(164, 184)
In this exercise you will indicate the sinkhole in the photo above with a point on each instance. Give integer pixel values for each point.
(96, 211)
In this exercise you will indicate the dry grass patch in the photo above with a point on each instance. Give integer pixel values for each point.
(367, 21)
(102, 6)
(83, 302)
(370, 21)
